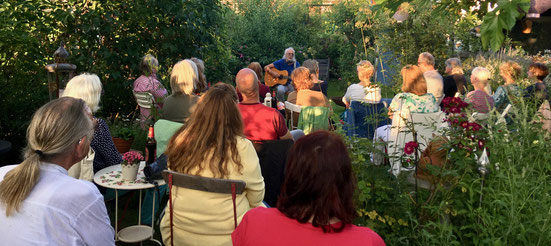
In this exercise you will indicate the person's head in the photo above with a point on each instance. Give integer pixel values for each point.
(538, 71)
(210, 135)
(86, 87)
(202, 79)
(365, 70)
(319, 184)
(313, 66)
(480, 77)
(453, 66)
(510, 71)
(184, 77)
(255, 66)
(302, 80)
(247, 83)
(425, 61)
(413, 80)
(149, 65)
(61, 129)
(289, 55)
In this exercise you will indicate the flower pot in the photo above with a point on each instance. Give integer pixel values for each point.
(129, 172)
(123, 145)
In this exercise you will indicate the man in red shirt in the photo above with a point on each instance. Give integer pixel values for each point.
(260, 122)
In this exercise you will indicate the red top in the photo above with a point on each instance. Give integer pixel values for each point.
(261, 122)
(268, 226)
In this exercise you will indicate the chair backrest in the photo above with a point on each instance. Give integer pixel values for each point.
(164, 129)
(213, 185)
(425, 125)
(501, 118)
(273, 157)
(313, 118)
(293, 109)
(363, 118)
(324, 65)
(144, 99)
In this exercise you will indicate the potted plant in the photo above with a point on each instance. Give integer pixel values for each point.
(123, 135)
(130, 165)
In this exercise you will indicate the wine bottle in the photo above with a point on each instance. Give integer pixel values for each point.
(150, 146)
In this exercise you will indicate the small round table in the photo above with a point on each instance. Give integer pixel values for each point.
(111, 177)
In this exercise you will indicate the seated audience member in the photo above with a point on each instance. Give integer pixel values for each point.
(304, 96)
(413, 99)
(317, 85)
(454, 81)
(148, 82)
(537, 73)
(183, 81)
(88, 88)
(260, 122)
(39, 203)
(479, 99)
(316, 204)
(262, 88)
(509, 72)
(211, 145)
(201, 85)
(434, 81)
(363, 91)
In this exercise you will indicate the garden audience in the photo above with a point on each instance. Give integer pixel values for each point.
(183, 82)
(364, 91)
(509, 91)
(148, 82)
(260, 122)
(287, 63)
(262, 88)
(317, 84)
(202, 79)
(316, 204)
(211, 145)
(88, 88)
(537, 73)
(413, 99)
(454, 81)
(39, 203)
(434, 81)
(480, 100)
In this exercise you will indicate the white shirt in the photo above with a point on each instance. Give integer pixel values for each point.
(435, 84)
(60, 210)
(356, 92)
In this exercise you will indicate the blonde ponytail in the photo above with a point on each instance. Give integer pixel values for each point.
(54, 130)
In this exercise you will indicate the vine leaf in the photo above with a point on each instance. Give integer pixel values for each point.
(502, 18)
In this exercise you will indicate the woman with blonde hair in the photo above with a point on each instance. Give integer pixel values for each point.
(183, 82)
(88, 88)
(39, 202)
(212, 145)
(510, 72)
(363, 91)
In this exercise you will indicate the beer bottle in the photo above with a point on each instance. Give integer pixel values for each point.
(150, 146)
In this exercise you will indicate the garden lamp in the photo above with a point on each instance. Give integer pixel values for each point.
(60, 72)
(483, 162)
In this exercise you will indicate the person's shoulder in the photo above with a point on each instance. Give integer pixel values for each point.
(280, 61)
(263, 214)
(366, 235)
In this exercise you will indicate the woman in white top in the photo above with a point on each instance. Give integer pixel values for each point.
(363, 91)
(39, 203)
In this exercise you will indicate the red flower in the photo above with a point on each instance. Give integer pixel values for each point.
(480, 144)
(474, 126)
(455, 110)
(410, 147)
(465, 124)
(456, 100)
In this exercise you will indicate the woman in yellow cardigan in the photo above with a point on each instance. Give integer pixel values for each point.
(212, 144)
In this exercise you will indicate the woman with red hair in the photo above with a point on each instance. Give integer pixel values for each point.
(316, 204)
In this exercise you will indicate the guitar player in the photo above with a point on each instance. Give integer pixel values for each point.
(288, 63)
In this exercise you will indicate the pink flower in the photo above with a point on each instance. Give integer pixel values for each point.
(410, 147)
(455, 110)
(131, 157)
(480, 144)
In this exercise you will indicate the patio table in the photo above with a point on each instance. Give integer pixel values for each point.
(111, 177)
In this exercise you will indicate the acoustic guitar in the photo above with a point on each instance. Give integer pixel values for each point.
(270, 81)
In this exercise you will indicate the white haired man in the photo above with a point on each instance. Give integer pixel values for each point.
(435, 82)
(479, 99)
(288, 63)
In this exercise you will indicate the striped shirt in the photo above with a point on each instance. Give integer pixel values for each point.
(480, 101)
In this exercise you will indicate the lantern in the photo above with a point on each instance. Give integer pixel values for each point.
(59, 73)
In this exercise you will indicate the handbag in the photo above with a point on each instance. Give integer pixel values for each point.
(84, 169)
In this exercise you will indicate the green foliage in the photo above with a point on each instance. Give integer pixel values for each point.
(502, 18)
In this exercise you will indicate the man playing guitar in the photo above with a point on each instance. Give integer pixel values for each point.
(288, 63)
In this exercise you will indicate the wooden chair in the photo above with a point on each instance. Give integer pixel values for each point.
(144, 99)
(293, 109)
(213, 185)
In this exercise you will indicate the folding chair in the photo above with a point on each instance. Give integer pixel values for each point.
(213, 185)
(293, 109)
(144, 99)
